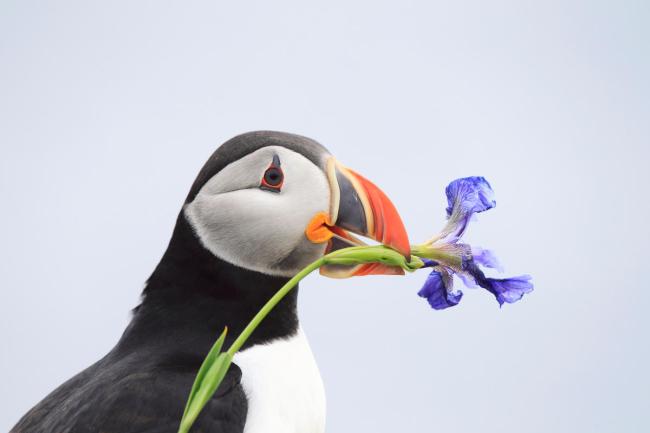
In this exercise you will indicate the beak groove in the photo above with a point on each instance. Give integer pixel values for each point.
(388, 227)
(358, 206)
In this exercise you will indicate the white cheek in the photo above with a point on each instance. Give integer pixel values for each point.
(252, 228)
(257, 229)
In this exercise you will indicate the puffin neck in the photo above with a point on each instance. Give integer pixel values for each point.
(193, 295)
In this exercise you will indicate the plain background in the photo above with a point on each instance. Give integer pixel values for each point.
(108, 110)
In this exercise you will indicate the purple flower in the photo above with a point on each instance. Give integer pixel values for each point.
(438, 288)
(447, 257)
(465, 197)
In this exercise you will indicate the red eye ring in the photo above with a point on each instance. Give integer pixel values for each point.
(273, 179)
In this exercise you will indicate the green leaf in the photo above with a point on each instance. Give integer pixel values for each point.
(205, 366)
(211, 381)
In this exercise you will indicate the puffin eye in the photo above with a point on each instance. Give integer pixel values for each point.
(272, 179)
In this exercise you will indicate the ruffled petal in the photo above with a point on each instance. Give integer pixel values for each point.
(465, 197)
(469, 195)
(508, 290)
(438, 289)
(486, 258)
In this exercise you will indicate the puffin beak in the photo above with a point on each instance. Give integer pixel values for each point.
(357, 207)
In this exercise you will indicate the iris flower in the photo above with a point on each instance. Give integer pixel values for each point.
(448, 257)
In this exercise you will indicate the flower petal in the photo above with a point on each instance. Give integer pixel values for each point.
(510, 289)
(438, 290)
(465, 197)
(469, 195)
(467, 279)
(486, 258)
(505, 290)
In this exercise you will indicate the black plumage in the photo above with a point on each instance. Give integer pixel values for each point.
(143, 383)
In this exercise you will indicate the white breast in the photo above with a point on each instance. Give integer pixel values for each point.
(283, 386)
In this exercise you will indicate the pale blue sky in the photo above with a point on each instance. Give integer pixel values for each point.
(108, 110)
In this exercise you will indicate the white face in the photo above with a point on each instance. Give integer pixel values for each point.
(260, 229)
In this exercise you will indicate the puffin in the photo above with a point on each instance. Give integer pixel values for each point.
(264, 205)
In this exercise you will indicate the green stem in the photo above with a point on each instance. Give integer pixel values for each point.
(372, 254)
(424, 251)
(271, 303)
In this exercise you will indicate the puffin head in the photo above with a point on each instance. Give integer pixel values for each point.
(272, 202)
